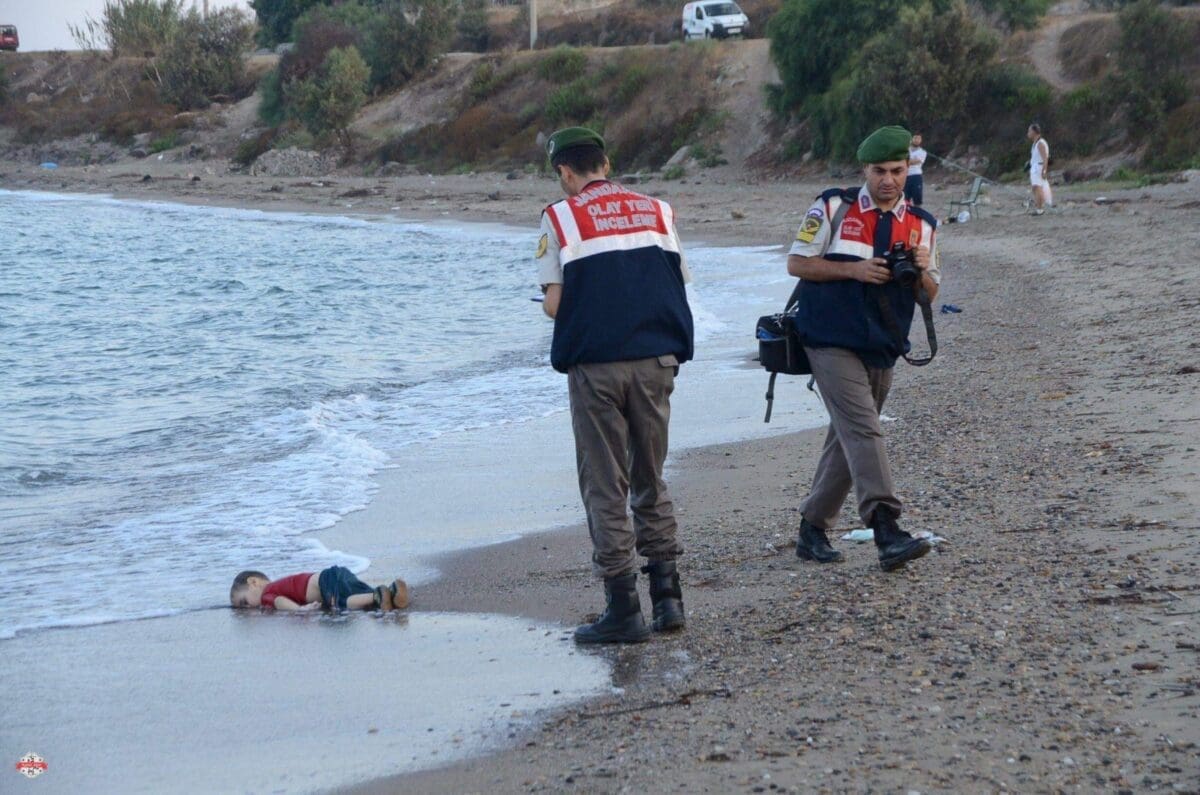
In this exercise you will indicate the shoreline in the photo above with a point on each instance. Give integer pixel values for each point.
(1032, 652)
(999, 658)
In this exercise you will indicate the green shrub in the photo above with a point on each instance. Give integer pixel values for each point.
(472, 28)
(328, 100)
(635, 79)
(1012, 86)
(130, 27)
(483, 81)
(572, 102)
(1018, 13)
(708, 156)
(812, 39)
(272, 106)
(563, 64)
(528, 113)
(295, 137)
(317, 33)
(204, 58)
(1175, 145)
(406, 38)
(249, 149)
(168, 141)
(674, 172)
(276, 18)
(1150, 58)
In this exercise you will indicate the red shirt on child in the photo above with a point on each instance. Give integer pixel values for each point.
(294, 587)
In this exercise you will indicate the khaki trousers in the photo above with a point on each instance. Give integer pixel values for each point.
(620, 412)
(854, 453)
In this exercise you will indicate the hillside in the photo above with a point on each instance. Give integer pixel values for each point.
(490, 110)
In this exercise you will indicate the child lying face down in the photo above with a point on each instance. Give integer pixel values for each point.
(335, 587)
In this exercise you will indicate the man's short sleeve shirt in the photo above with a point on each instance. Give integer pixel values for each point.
(815, 238)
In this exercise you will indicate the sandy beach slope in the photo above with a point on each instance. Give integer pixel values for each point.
(1049, 645)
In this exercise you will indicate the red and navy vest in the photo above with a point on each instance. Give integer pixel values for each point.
(623, 295)
(846, 313)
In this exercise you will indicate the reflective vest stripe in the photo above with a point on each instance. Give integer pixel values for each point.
(628, 230)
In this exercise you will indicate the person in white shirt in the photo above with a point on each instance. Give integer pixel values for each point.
(1039, 162)
(914, 185)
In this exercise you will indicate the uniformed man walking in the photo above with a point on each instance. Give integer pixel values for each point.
(612, 270)
(854, 319)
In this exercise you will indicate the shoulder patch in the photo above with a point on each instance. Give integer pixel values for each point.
(810, 226)
(542, 245)
(815, 212)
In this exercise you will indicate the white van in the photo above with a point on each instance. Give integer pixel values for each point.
(716, 19)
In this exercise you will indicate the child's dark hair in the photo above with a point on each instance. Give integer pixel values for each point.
(581, 159)
(240, 581)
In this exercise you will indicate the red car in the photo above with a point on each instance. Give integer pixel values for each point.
(8, 38)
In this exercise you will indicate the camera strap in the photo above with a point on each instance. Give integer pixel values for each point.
(889, 318)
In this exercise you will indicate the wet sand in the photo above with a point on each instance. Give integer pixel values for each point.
(1049, 645)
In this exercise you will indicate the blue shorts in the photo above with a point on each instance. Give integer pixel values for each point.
(914, 188)
(337, 584)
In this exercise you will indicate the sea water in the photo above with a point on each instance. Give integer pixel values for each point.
(189, 391)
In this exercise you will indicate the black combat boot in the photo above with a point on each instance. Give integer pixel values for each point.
(665, 594)
(622, 621)
(812, 544)
(896, 547)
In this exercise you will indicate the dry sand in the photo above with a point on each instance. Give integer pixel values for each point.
(1050, 646)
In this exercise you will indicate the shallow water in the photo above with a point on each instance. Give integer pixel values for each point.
(247, 702)
(191, 391)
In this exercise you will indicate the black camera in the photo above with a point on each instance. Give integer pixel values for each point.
(903, 266)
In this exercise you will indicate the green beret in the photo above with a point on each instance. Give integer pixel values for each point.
(884, 145)
(581, 136)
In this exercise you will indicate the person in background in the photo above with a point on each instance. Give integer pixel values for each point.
(1039, 169)
(853, 319)
(914, 185)
(612, 270)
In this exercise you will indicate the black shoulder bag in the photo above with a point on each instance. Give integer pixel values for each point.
(780, 347)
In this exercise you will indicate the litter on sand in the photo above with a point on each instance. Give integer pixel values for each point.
(950, 309)
(867, 534)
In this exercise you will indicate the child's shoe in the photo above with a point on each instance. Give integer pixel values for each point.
(398, 591)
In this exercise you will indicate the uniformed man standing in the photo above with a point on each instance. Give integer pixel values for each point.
(854, 319)
(612, 270)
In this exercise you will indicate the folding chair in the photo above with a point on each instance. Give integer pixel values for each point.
(970, 202)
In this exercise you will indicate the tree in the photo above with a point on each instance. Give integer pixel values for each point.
(409, 36)
(1150, 57)
(328, 100)
(276, 17)
(1017, 13)
(812, 39)
(473, 29)
(130, 27)
(924, 84)
(204, 58)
